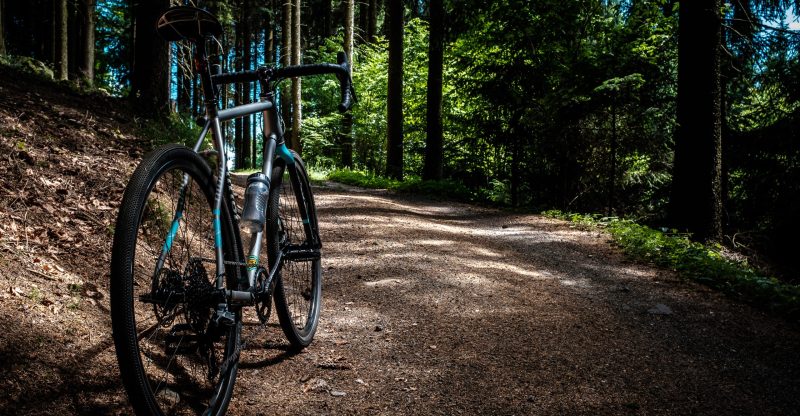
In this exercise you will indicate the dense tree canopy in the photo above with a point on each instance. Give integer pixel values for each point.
(586, 105)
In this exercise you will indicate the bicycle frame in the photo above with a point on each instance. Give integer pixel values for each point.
(274, 143)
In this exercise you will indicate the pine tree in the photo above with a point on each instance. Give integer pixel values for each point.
(434, 142)
(60, 29)
(297, 111)
(394, 117)
(696, 200)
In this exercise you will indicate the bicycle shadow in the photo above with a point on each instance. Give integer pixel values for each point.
(264, 353)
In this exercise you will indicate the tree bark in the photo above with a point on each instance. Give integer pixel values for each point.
(238, 141)
(394, 117)
(62, 41)
(286, 60)
(246, 58)
(696, 198)
(297, 104)
(2, 29)
(87, 63)
(150, 78)
(346, 138)
(184, 79)
(269, 35)
(434, 143)
(363, 20)
(372, 24)
(74, 43)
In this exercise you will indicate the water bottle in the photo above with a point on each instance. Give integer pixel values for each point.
(255, 203)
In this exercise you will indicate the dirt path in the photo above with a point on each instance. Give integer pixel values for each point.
(438, 308)
(443, 308)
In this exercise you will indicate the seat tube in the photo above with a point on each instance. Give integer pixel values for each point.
(209, 93)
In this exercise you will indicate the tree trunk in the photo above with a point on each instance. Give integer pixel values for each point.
(150, 78)
(269, 35)
(2, 30)
(363, 19)
(297, 104)
(61, 44)
(326, 12)
(74, 44)
(346, 137)
(372, 24)
(286, 60)
(612, 175)
(87, 63)
(238, 141)
(394, 117)
(246, 57)
(184, 79)
(695, 203)
(434, 142)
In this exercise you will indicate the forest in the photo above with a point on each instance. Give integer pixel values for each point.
(679, 115)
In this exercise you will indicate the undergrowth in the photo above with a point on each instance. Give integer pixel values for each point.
(442, 188)
(173, 128)
(702, 263)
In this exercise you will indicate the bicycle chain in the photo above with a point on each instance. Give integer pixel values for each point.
(240, 346)
(243, 343)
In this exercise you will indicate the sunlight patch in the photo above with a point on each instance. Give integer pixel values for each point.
(386, 282)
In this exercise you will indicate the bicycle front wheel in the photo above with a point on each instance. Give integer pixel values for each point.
(292, 234)
(172, 357)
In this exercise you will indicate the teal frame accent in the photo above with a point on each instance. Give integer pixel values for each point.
(217, 230)
(173, 230)
(285, 154)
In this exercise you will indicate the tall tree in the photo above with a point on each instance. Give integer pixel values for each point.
(286, 57)
(363, 18)
(696, 200)
(297, 110)
(394, 108)
(346, 138)
(87, 63)
(372, 21)
(238, 135)
(2, 30)
(434, 142)
(247, 62)
(62, 39)
(150, 77)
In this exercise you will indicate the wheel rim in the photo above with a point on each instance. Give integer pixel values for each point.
(299, 279)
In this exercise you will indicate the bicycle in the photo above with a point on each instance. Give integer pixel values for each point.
(179, 277)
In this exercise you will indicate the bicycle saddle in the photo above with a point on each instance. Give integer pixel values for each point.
(190, 23)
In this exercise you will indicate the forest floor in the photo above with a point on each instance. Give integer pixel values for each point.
(429, 306)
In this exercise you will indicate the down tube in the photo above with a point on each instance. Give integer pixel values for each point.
(223, 165)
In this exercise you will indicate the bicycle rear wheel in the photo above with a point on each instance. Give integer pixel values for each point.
(298, 289)
(172, 358)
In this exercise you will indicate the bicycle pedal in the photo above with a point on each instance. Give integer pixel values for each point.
(224, 317)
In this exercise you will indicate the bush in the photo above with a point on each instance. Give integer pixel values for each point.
(702, 263)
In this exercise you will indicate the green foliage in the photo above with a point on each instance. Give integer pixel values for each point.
(322, 125)
(443, 189)
(705, 264)
(544, 88)
(27, 65)
(175, 128)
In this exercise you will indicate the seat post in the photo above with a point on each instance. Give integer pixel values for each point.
(202, 68)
